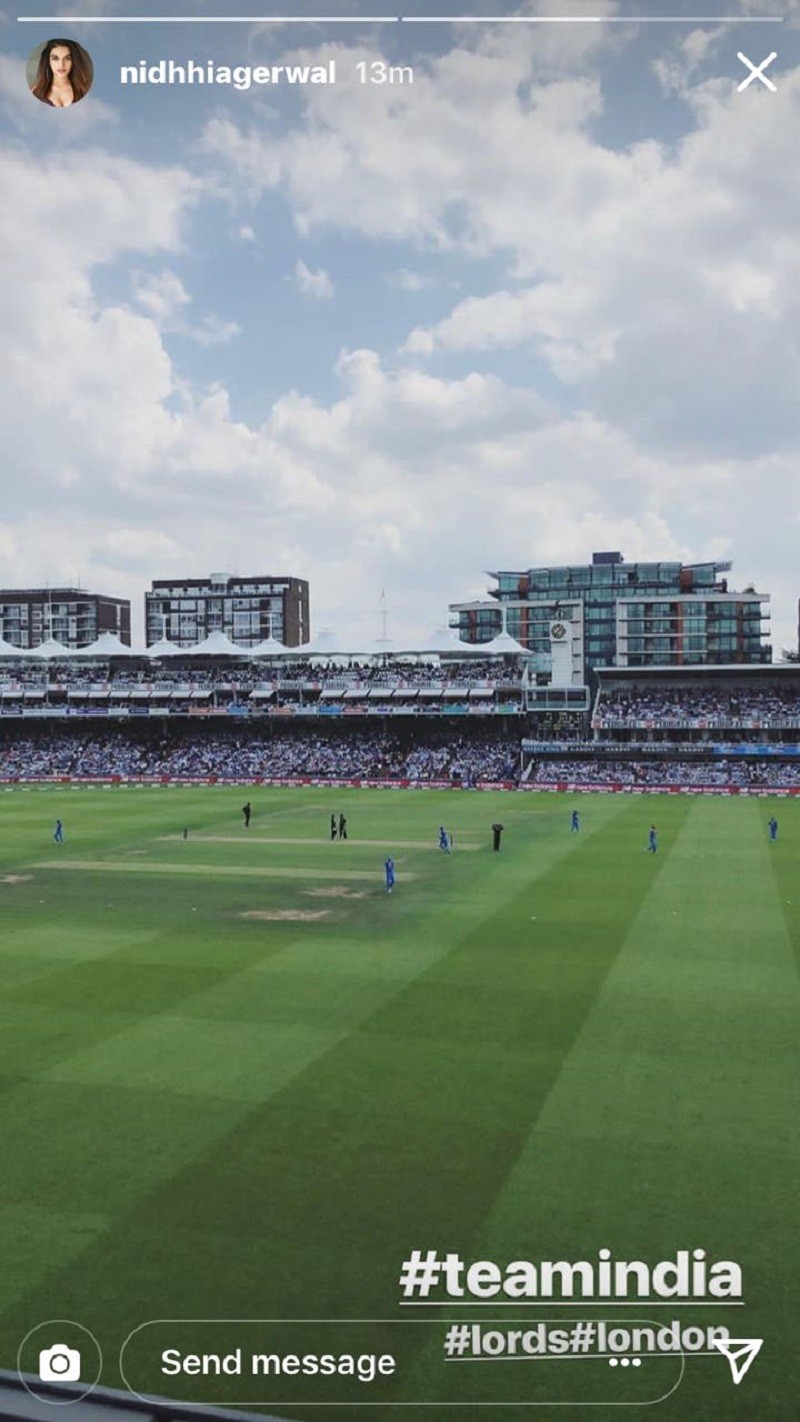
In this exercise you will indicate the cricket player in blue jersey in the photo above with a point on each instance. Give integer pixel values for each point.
(58, 833)
(388, 865)
(444, 839)
(652, 845)
(773, 829)
(576, 822)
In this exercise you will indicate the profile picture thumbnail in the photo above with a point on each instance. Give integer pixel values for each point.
(59, 73)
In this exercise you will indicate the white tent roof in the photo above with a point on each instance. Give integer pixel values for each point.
(375, 647)
(326, 644)
(216, 644)
(503, 643)
(7, 649)
(329, 644)
(445, 642)
(52, 648)
(106, 645)
(271, 647)
(163, 648)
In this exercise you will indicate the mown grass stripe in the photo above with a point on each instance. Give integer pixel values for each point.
(674, 1116)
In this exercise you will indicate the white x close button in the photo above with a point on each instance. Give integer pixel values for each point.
(757, 72)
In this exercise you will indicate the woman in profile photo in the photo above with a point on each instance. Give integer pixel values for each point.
(63, 74)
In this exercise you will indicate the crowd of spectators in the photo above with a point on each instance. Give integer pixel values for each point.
(361, 753)
(251, 686)
(734, 773)
(304, 683)
(357, 752)
(695, 704)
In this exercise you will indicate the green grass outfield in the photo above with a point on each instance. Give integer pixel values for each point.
(567, 1046)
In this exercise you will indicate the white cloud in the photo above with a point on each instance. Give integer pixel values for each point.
(412, 281)
(163, 295)
(83, 383)
(213, 331)
(406, 280)
(405, 479)
(661, 282)
(138, 549)
(460, 157)
(165, 298)
(787, 9)
(316, 284)
(648, 280)
(677, 68)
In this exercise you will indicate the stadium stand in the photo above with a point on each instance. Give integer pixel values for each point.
(425, 721)
(717, 774)
(744, 706)
(73, 689)
(733, 699)
(355, 753)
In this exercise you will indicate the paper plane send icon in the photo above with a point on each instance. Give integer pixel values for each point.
(740, 1353)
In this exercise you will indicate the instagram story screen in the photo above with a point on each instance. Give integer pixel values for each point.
(400, 419)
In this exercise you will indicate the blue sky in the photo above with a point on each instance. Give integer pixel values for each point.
(541, 301)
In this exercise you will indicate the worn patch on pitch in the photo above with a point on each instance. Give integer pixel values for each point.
(339, 891)
(286, 915)
(204, 871)
(246, 838)
(15, 878)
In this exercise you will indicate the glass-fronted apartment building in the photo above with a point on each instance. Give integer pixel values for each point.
(247, 610)
(30, 616)
(617, 614)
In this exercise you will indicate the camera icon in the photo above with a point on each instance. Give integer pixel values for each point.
(60, 1364)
